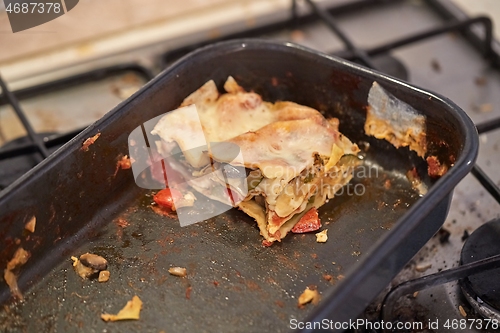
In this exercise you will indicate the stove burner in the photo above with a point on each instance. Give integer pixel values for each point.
(482, 290)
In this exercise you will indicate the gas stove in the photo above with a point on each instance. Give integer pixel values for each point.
(452, 283)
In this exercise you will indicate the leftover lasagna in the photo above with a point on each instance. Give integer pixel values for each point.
(277, 162)
(395, 121)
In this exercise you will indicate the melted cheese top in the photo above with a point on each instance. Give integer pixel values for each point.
(214, 119)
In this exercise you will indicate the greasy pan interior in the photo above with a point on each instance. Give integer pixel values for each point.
(233, 282)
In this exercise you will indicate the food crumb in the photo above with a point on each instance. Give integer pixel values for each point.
(88, 265)
(434, 168)
(309, 295)
(436, 66)
(322, 237)
(415, 294)
(122, 223)
(486, 107)
(177, 271)
(11, 280)
(482, 108)
(123, 163)
(103, 276)
(20, 257)
(462, 311)
(422, 267)
(416, 182)
(94, 261)
(131, 311)
(444, 235)
(90, 141)
(188, 292)
(297, 35)
(327, 277)
(30, 225)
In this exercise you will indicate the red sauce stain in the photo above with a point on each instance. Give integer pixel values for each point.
(188, 292)
(280, 304)
(252, 285)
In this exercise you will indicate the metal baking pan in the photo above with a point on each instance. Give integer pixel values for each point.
(233, 282)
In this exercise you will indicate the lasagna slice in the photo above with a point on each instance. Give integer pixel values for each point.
(395, 121)
(274, 161)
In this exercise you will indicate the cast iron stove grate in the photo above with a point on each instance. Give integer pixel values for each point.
(20, 155)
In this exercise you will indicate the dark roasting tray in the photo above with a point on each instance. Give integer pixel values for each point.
(236, 283)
